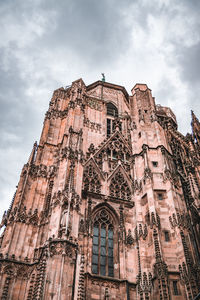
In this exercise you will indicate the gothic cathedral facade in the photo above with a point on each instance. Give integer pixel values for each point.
(108, 204)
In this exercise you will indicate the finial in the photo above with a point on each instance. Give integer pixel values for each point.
(103, 77)
(33, 153)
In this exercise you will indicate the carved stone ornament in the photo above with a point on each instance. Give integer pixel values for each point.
(91, 179)
(119, 187)
(42, 171)
(137, 186)
(153, 220)
(55, 114)
(34, 219)
(92, 125)
(71, 154)
(148, 174)
(181, 220)
(141, 231)
(94, 103)
(62, 247)
(129, 238)
(82, 226)
(144, 283)
(22, 215)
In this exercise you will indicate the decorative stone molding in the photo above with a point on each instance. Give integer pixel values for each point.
(71, 154)
(59, 247)
(81, 282)
(6, 288)
(33, 218)
(121, 223)
(148, 175)
(105, 283)
(22, 215)
(16, 269)
(144, 284)
(40, 277)
(153, 220)
(180, 220)
(160, 269)
(91, 179)
(82, 226)
(42, 171)
(129, 238)
(189, 277)
(55, 114)
(92, 125)
(94, 103)
(31, 287)
(137, 186)
(119, 187)
(172, 177)
(141, 231)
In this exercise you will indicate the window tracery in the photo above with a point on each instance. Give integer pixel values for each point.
(103, 244)
(119, 187)
(115, 150)
(91, 180)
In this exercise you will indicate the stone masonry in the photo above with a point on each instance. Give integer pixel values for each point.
(108, 204)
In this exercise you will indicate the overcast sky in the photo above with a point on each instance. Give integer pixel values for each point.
(46, 44)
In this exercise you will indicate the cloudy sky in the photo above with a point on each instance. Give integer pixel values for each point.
(46, 44)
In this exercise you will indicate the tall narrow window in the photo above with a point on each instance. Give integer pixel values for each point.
(175, 287)
(112, 113)
(102, 248)
(166, 233)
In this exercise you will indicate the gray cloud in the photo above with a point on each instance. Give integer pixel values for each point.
(97, 30)
(189, 60)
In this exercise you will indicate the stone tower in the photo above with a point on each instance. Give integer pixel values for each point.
(107, 206)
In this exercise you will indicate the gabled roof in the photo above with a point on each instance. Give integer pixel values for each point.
(109, 140)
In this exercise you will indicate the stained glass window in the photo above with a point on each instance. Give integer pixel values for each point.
(102, 248)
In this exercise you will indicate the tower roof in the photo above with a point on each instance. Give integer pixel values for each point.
(109, 85)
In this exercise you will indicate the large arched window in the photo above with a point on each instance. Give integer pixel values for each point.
(102, 245)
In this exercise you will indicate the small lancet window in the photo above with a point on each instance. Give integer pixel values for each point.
(175, 287)
(166, 233)
(112, 113)
(102, 245)
(155, 164)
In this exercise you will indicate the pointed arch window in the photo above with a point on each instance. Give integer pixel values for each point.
(103, 244)
(112, 110)
(112, 113)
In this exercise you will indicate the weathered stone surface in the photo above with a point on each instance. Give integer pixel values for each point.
(107, 206)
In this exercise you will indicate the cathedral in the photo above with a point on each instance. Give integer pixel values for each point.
(108, 204)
